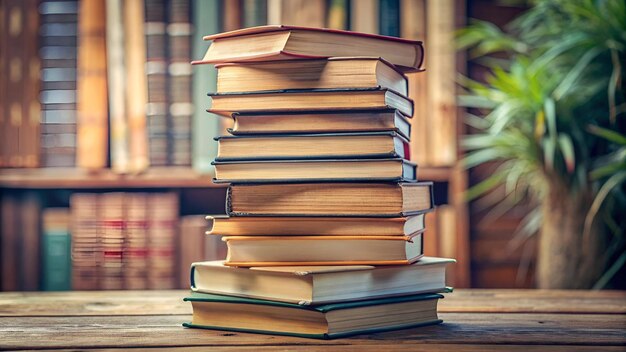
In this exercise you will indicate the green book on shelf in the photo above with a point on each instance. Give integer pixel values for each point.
(326, 321)
(56, 259)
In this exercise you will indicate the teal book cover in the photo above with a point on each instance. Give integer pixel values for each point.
(56, 261)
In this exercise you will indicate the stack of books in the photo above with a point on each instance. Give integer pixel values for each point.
(325, 214)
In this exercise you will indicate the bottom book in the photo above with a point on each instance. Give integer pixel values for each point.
(326, 321)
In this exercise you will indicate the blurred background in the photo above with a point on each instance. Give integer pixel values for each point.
(106, 145)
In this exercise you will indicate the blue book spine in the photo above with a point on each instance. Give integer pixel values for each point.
(56, 261)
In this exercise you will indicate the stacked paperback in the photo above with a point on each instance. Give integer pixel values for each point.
(325, 215)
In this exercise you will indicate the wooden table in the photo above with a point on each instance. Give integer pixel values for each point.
(474, 320)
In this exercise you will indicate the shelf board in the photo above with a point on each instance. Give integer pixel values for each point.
(74, 178)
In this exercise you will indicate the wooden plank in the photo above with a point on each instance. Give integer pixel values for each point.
(375, 348)
(74, 178)
(526, 301)
(165, 330)
(169, 302)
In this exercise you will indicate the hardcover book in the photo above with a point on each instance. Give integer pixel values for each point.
(330, 199)
(246, 251)
(306, 170)
(313, 146)
(322, 322)
(332, 73)
(321, 122)
(279, 42)
(314, 285)
(311, 100)
(322, 226)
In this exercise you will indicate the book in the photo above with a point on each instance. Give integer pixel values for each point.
(337, 17)
(10, 242)
(332, 73)
(112, 231)
(364, 16)
(56, 260)
(390, 170)
(389, 17)
(312, 100)
(205, 17)
(323, 226)
(116, 72)
(179, 31)
(85, 238)
(163, 209)
(135, 249)
(92, 103)
(246, 251)
(313, 285)
(313, 146)
(321, 122)
(323, 322)
(330, 199)
(136, 84)
(279, 42)
(30, 235)
(254, 13)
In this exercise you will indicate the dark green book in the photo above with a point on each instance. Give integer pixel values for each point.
(56, 262)
(326, 321)
(57, 267)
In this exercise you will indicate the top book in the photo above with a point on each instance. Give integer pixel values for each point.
(279, 42)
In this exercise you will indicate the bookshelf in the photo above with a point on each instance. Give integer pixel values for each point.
(74, 178)
(427, 20)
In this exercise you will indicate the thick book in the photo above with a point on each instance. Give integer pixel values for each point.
(246, 251)
(322, 322)
(320, 122)
(307, 170)
(333, 73)
(279, 42)
(313, 146)
(330, 199)
(313, 285)
(319, 226)
(312, 100)
(92, 98)
(56, 262)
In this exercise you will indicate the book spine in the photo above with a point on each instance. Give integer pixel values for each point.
(191, 246)
(413, 26)
(57, 48)
(112, 227)
(135, 254)
(305, 13)
(9, 242)
(338, 14)
(156, 72)
(254, 13)
(92, 129)
(117, 87)
(136, 83)
(85, 240)
(30, 229)
(364, 16)
(389, 20)
(205, 125)
(56, 251)
(29, 128)
(179, 31)
(162, 231)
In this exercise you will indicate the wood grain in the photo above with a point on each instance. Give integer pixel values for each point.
(165, 330)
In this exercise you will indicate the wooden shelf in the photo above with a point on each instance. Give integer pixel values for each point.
(73, 178)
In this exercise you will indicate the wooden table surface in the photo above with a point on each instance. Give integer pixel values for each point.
(474, 320)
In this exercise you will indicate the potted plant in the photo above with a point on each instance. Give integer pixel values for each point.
(554, 109)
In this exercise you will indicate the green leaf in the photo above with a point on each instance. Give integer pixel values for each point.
(567, 148)
(602, 194)
(484, 186)
(570, 79)
(608, 275)
(480, 157)
(608, 134)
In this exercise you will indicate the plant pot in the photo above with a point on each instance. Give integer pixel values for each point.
(567, 258)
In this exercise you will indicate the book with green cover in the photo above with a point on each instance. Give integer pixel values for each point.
(326, 321)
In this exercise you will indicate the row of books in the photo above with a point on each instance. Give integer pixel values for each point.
(117, 240)
(325, 215)
(131, 100)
